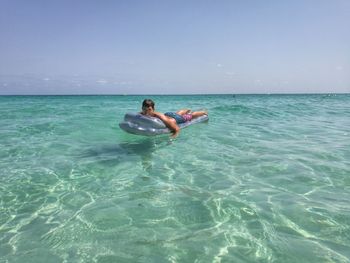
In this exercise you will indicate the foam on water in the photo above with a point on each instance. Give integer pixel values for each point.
(266, 180)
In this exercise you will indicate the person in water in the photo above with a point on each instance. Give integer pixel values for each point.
(170, 119)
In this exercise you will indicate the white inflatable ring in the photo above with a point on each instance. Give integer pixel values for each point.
(139, 124)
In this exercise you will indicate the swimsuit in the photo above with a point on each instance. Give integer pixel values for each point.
(187, 117)
(179, 118)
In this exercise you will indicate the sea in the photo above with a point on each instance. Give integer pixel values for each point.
(266, 179)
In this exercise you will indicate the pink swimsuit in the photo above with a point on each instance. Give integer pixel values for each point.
(187, 117)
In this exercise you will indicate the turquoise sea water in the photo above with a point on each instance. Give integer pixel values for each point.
(267, 179)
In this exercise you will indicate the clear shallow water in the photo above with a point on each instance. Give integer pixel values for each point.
(266, 180)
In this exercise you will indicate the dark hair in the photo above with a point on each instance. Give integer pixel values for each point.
(147, 102)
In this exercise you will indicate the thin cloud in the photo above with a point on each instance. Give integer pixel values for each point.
(339, 68)
(102, 81)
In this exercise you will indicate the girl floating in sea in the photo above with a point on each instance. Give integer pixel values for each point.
(170, 119)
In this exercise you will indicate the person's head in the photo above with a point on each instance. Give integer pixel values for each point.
(147, 106)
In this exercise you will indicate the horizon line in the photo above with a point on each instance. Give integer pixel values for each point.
(181, 94)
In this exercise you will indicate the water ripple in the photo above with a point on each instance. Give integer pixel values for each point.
(265, 180)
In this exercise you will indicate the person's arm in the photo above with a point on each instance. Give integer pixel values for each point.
(169, 122)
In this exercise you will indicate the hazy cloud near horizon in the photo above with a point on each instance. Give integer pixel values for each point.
(169, 47)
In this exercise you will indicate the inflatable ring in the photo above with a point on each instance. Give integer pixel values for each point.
(136, 123)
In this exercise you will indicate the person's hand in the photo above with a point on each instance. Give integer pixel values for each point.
(174, 134)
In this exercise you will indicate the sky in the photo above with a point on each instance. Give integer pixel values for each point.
(174, 47)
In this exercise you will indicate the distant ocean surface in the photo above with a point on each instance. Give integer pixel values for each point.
(267, 179)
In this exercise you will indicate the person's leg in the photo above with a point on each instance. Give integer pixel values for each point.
(183, 111)
(197, 114)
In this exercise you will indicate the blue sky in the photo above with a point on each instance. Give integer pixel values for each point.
(170, 47)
